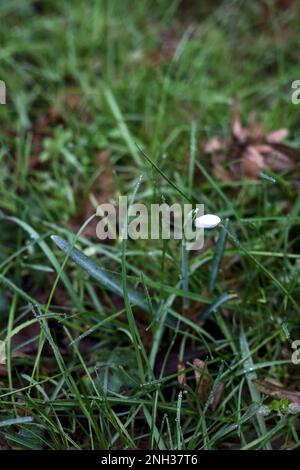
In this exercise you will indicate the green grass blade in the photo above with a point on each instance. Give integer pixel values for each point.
(250, 375)
(108, 281)
(115, 109)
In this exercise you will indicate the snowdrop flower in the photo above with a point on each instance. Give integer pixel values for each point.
(207, 221)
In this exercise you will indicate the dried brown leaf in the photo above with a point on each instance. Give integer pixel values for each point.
(252, 162)
(279, 162)
(256, 131)
(276, 391)
(203, 380)
(277, 137)
(181, 375)
(252, 147)
(287, 150)
(214, 145)
(264, 149)
(222, 173)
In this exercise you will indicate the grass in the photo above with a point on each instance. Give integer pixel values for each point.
(94, 333)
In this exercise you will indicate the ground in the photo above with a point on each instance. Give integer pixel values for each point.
(99, 95)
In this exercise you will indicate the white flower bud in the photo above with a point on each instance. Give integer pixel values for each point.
(207, 221)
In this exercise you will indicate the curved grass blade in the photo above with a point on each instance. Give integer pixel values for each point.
(108, 281)
(250, 375)
(117, 114)
(14, 421)
(164, 175)
(213, 307)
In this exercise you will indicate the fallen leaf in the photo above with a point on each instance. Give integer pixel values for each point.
(277, 136)
(256, 129)
(252, 162)
(214, 145)
(276, 391)
(279, 161)
(250, 149)
(203, 380)
(181, 375)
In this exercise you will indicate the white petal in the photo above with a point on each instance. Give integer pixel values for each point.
(207, 221)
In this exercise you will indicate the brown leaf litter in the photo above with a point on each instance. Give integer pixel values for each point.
(250, 150)
(277, 391)
(204, 384)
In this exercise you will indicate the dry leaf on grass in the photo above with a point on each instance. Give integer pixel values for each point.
(277, 136)
(181, 375)
(249, 150)
(277, 391)
(203, 380)
(252, 162)
(216, 144)
(203, 384)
